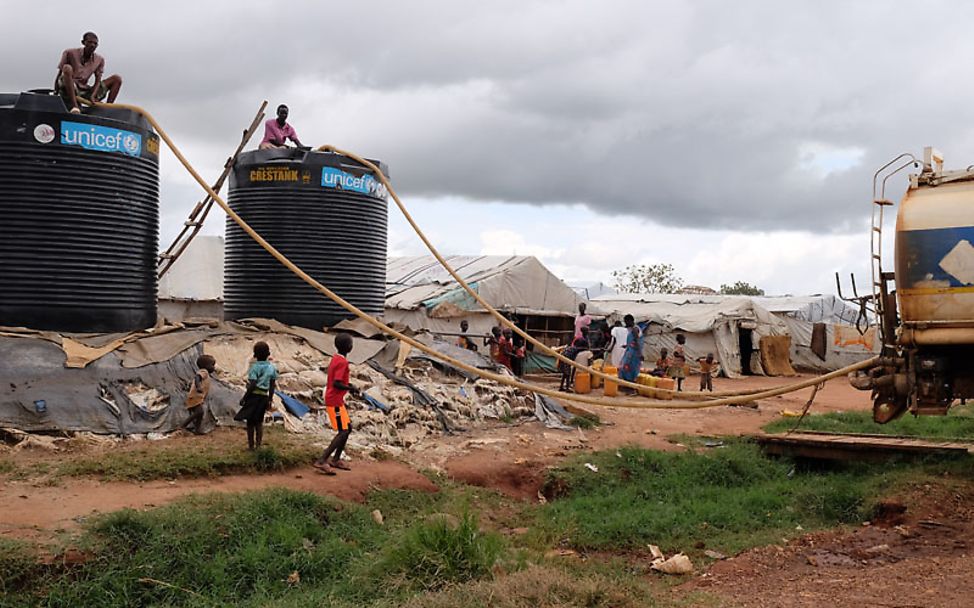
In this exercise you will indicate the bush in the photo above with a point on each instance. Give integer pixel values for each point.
(442, 550)
(17, 564)
(221, 547)
(267, 459)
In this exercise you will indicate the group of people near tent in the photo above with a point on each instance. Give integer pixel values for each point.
(624, 351)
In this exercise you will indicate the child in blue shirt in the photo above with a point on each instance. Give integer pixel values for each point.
(261, 379)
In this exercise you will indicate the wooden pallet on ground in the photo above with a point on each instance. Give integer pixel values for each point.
(839, 446)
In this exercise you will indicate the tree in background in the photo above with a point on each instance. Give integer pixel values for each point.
(741, 288)
(647, 278)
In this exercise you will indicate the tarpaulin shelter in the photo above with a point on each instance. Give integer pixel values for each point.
(732, 327)
(421, 294)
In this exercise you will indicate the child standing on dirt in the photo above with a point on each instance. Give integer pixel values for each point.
(338, 385)
(261, 380)
(707, 366)
(198, 390)
(678, 365)
(578, 352)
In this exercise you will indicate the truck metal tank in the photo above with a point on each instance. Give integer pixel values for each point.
(325, 212)
(935, 260)
(79, 217)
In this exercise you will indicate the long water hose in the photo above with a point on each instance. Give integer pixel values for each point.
(473, 293)
(500, 379)
(501, 318)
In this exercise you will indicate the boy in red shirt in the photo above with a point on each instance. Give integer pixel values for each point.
(338, 376)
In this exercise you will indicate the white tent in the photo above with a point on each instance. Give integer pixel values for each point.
(422, 295)
(731, 327)
(593, 290)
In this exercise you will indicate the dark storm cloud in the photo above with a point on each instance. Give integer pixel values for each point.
(704, 114)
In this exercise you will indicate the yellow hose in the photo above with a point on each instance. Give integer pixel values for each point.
(500, 379)
(476, 296)
(501, 318)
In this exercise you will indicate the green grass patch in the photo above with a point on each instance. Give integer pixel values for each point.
(7, 466)
(584, 422)
(958, 424)
(18, 564)
(190, 460)
(730, 498)
(440, 550)
(241, 549)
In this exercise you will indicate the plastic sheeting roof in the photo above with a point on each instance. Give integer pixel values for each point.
(812, 308)
(687, 312)
(509, 283)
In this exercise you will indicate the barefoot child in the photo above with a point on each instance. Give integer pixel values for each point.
(678, 364)
(260, 388)
(196, 399)
(338, 377)
(707, 367)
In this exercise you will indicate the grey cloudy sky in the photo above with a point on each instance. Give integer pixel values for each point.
(752, 120)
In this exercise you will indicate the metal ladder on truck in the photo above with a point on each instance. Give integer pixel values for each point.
(884, 302)
(192, 226)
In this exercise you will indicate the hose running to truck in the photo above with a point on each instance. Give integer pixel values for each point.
(501, 318)
(499, 378)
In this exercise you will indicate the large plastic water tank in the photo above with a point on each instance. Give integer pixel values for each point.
(325, 212)
(79, 217)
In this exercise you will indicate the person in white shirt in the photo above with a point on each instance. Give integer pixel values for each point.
(617, 344)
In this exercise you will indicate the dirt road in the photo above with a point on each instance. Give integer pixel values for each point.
(901, 562)
(508, 458)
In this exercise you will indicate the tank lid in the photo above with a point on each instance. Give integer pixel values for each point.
(44, 100)
(306, 156)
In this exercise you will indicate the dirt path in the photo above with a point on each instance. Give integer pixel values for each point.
(35, 512)
(511, 459)
(920, 559)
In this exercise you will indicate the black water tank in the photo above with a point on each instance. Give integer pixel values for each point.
(325, 212)
(79, 217)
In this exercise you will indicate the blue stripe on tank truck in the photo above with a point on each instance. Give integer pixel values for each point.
(924, 251)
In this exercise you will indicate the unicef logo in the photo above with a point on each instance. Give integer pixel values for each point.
(131, 144)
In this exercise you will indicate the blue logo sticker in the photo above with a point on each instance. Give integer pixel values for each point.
(102, 139)
(342, 180)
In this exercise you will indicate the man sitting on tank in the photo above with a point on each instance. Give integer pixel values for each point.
(75, 71)
(277, 131)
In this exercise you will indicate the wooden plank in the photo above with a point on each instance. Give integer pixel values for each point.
(856, 447)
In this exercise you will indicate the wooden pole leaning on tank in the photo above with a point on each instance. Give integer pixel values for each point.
(181, 242)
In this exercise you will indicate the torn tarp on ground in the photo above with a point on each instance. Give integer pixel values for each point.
(104, 397)
(162, 343)
(551, 413)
